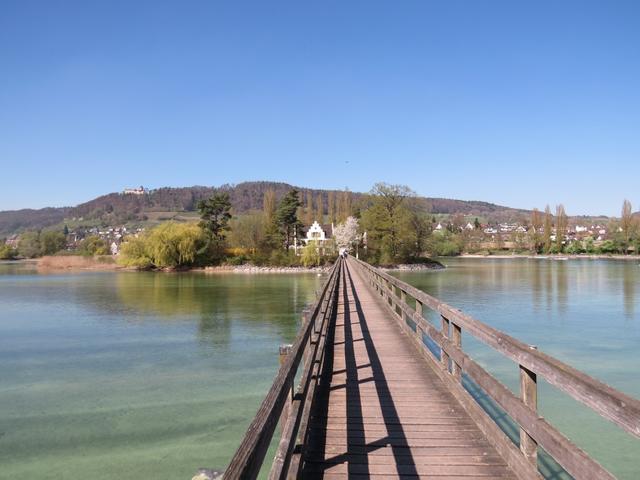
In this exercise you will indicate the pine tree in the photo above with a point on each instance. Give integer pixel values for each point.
(215, 213)
(287, 217)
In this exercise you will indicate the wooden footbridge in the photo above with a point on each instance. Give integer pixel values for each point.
(373, 401)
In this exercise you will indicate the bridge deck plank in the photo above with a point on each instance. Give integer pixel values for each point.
(381, 411)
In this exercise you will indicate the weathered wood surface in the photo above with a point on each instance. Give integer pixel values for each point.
(621, 409)
(374, 402)
(248, 459)
(534, 429)
(381, 411)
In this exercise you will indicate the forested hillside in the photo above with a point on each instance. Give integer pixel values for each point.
(118, 208)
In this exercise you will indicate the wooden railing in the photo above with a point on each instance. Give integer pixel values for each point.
(284, 404)
(535, 431)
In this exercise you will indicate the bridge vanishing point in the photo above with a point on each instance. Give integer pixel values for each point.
(374, 401)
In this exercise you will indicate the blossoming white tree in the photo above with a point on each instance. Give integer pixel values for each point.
(346, 233)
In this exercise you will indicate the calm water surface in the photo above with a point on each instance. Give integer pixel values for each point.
(142, 375)
(584, 312)
(136, 375)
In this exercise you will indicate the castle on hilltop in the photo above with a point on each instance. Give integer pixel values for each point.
(134, 191)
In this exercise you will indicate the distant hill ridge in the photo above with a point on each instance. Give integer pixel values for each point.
(119, 208)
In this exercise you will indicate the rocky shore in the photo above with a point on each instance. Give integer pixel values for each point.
(414, 267)
(264, 269)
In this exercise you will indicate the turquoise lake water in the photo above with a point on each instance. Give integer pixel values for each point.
(150, 375)
(583, 312)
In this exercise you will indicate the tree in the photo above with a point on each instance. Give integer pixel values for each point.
(248, 231)
(561, 227)
(52, 242)
(287, 218)
(331, 200)
(547, 229)
(269, 206)
(215, 213)
(344, 206)
(65, 230)
(93, 245)
(311, 254)
(388, 222)
(7, 252)
(346, 233)
(535, 234)
(169, 245)
(309, 213)
(476, 224)
(627, 225)
(319, 208)
(29, 245)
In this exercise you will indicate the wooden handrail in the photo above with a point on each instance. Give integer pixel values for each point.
(249, 457)
(611, 404)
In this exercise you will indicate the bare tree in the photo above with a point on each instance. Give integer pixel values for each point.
(561, 227)
(547, 229)
(319, 208)
(626, 223)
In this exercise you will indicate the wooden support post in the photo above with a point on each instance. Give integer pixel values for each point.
(444, 357)
(284, 416)
(456, 337)
(418, 307)
(529, 395)
(403, 299)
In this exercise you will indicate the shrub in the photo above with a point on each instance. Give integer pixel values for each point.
(168, 245)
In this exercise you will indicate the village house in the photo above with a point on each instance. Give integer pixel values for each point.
(318, 234)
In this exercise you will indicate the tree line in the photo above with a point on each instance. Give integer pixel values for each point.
(389, 225)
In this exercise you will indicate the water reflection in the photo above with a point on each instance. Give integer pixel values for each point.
(629, 282)
(562, 286)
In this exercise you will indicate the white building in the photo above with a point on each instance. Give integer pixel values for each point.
(315, 233)
(134, 191)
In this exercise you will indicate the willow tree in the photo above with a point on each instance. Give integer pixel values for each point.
(169, 245)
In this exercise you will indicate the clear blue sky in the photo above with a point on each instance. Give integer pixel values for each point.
(518, 103)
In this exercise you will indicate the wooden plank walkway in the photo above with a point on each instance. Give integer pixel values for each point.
(380, 410)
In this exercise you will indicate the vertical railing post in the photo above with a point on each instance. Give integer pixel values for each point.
(456, 337)
(284, 416)
(403, 299)
(444, 356)
(529, 395)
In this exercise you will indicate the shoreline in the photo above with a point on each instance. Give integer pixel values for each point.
(107, 263)
(552, 256)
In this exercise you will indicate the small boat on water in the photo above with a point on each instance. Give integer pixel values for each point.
(561, 258)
